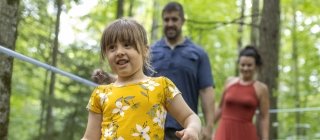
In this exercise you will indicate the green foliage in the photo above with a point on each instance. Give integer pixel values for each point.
(209, 24)
(308, 60)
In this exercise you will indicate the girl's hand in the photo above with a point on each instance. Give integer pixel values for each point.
(187, 134)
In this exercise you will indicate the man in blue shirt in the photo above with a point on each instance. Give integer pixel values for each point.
(187, 65)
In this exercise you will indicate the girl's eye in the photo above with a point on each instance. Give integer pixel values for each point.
(111, 47)
(127, 45)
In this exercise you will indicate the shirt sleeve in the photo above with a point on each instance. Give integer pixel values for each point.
(94, 101)
(170, 91)
(205, 77)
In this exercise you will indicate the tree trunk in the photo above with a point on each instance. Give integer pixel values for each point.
(49, 127)
(241, 20)
(120, 9)
(240, 31)
(254, 35)
(43, 106)
(131, 4)
(8, 34)
(296, 72)
(269, 49)
(255, 21)
(155, 22)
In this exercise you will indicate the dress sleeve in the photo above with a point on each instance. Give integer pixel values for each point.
(94, 101)
(170, 91)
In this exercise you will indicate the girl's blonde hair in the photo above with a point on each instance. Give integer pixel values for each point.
(128, 31)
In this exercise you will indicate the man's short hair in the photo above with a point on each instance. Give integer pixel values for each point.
(174, 6)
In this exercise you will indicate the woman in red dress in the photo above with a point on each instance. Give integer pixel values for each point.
(242, 96)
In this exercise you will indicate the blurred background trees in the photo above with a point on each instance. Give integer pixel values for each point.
(66, 34)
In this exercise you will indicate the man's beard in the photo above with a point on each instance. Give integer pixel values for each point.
(173, 35)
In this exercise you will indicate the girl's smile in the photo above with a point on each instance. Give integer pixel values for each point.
(122, 63)
(125, 60)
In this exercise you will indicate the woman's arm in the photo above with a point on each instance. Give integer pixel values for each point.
(179, 109)
(217, 113)
(264, 111)
(93, 131)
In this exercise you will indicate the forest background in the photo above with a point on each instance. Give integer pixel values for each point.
(66, 34)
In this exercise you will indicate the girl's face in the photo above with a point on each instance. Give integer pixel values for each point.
(124, 60)
(247, 67)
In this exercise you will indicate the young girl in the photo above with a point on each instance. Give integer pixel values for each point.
(135, 105)
(241, 97)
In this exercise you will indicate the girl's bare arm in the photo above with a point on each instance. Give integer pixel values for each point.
(93, 131)
(179, 109)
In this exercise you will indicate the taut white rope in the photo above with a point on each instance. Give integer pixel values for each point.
(46, 66)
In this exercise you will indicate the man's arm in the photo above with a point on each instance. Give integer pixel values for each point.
(207, 104)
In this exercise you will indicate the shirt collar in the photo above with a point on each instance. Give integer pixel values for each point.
(184, 43)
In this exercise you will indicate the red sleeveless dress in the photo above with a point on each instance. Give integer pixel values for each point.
(238, 108)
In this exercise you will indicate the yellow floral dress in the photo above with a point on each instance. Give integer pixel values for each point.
(134, 111)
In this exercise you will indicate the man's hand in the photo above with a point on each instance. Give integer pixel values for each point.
(101, 77)
(206, 133)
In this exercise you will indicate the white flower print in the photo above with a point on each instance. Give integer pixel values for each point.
(103, 98)
(120, 138)
(151, 85)
(98, 91)
(120, 109)
(108, 132)
(90, 103)
(159, 119)
(142, 132)
(174, 90)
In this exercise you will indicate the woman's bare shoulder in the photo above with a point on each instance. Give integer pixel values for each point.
(260, 85)
(230, 81)
(261, 88)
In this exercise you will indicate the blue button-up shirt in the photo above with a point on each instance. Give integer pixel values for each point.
(188, 66)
